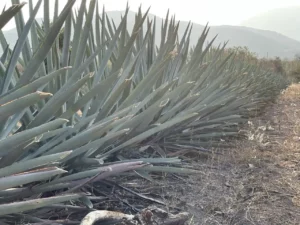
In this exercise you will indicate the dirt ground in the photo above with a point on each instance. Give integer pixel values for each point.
(256, 182)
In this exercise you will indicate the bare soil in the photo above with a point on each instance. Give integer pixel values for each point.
(255, 182)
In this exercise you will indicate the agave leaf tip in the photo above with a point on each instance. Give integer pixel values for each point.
(61, 170)
(65, 154)
(62, 120)
(22, 4)
(44, 94)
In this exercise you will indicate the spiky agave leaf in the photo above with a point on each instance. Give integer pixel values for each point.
(9, 13)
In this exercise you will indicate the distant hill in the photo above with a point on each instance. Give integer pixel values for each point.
(284, 20)
(264, 43)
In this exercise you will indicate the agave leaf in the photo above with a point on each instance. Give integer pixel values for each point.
(146, 84)
(49, 109)
(100, 89)
(41, 54)
(53, 133)
(4, 57)
(153, 160)
(167, 169)
(97, 103)
(96, 145)
(66, 87)
(56, 8)
(109, 52)
(33, 163)
(90, 134)
(145, 174)
(101, 173)
(27, 205)
(98, 34)
(113, 170)
(3, 41)
(92, 147)
(18, 48)
(46, 28)
(61, 138)
(28, 177)
(17, 105)
(85, 38)
(112, 99)
(77, 31)
(110, 29)
(11, 124)
(32, 87)
(149, 133)
(20, 24)
(8, 14)
(142, 121)
(84, 34)
(55, 187)
(77, 176)
(21, 137)
(179, 107)
(159, 150)
(126, 49)
(11, 191)
(78, 72)
(170, 96)
(67, 43)
(87, 202)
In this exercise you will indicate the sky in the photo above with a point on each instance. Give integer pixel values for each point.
(216, 12)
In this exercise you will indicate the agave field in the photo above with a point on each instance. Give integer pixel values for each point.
(84, 100)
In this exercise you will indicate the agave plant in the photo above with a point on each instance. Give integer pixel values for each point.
(107, 101)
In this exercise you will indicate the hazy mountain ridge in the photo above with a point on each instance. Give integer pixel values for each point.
(264, 43)
(284, 20)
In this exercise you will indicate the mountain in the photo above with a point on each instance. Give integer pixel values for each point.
(284, 20)
(264, 43)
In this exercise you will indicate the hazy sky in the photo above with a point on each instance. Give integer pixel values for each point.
(216, 12)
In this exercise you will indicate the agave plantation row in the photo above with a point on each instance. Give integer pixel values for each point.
(85, 99)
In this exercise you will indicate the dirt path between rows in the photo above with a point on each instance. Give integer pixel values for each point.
(256, 182)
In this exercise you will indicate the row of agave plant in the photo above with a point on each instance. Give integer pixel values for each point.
(83, 100)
